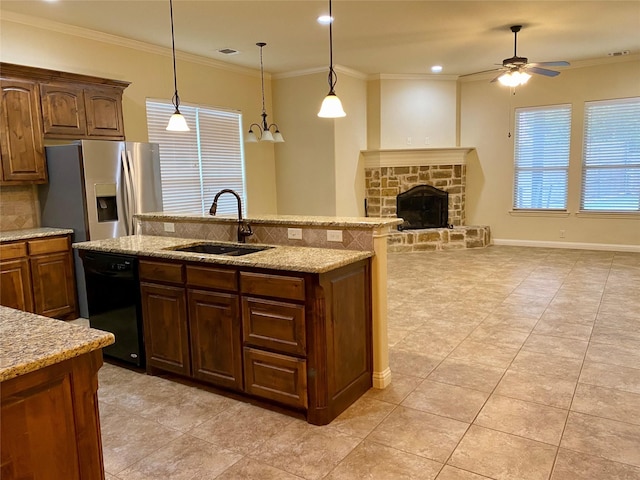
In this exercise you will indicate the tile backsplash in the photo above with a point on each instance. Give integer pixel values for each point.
(19, 207)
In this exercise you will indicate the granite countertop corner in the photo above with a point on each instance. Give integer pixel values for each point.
(29, 342)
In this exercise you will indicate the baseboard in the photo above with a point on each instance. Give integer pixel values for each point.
(570, 245)
(382, 380)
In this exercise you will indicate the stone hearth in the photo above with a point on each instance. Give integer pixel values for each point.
(391, 172)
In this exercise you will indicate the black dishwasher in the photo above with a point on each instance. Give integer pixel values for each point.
(113, 297)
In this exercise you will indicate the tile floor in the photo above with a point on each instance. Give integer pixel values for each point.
(508, 363)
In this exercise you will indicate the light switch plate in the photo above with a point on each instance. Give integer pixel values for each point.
(294, 233)
(169, 227)
(334, 235)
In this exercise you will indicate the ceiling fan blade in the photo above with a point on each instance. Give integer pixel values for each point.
(478, 73)
(496, 78)
(560, 63)
(542, 71)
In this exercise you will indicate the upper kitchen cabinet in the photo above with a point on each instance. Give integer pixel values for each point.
(81, 111)
(39, 104)
(21, 148)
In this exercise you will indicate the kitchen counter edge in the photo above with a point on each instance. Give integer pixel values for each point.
(279, 257)
(29, 233)
(30, 342)
(292, 220)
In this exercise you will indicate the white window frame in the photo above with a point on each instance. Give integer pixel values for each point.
(538, 158)
(611, 157)
(197, 164)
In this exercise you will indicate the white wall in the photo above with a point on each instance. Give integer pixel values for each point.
(305, 172)
(414, 110)
(486, 118)
(150, 72)
(319, 171)
(350, 138)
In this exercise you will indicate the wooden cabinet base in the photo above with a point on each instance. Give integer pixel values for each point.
(50, 425)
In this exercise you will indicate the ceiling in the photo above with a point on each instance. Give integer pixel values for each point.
(371, 37)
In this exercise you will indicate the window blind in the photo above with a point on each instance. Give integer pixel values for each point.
(197, 164)
(611, 156)
(541, 156)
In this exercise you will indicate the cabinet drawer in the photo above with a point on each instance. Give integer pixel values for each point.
(274, 325)
(276, 377)
(217, 278)
(272, 285)
(161, 272)
(9, 251)
(48, 245)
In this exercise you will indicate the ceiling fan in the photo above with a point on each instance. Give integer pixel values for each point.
(517, 70)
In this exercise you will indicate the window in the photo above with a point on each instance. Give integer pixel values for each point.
(542, 157)
(611, 158)
(195, 165)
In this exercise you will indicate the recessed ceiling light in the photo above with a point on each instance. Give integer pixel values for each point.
(325, 19)
(436, 69)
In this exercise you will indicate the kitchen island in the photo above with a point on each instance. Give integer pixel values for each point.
(50, 426)
(336, 233)
(284, 325)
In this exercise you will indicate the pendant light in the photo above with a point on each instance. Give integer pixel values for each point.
(331, 105)
(264, 129)
(177, 122)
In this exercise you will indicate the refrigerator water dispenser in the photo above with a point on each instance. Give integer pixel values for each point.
(106, 204)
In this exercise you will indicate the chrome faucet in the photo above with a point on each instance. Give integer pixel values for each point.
(244, 229)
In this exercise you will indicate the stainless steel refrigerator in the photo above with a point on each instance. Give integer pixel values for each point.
(95, 187)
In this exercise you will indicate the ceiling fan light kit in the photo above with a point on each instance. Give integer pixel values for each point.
(518, 70)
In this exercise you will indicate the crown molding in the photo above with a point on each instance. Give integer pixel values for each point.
(88, 34)
(411, 76)
(315, 70)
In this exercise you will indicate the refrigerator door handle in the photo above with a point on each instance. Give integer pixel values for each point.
(129, 199)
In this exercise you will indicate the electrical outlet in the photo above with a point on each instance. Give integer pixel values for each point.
(426, 140)
(294, 233)
(334, 235)
(561, 233)
(169, 227)
(409, 140)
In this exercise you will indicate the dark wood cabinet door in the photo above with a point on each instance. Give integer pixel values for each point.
(276, 377)
(50, 427)
(216, 343)
(15, 284)
(103, 108)
(166, 333)
(63, 110)
(21, 147)
(54, 292)
(278, 326)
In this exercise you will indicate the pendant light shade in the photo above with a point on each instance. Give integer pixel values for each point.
(177, 122)
(331, 105)
(264, 129)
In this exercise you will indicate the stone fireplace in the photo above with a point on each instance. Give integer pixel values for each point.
(391, 174)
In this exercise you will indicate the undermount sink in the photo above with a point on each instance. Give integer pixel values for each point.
(231, 250)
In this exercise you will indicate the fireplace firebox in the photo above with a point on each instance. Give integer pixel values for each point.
(423, 206)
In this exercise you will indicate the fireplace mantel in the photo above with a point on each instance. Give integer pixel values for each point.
(406, 157)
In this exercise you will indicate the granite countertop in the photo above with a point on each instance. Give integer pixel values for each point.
(298, 259)
(299, 220)
(29, 342)
(28, 233)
